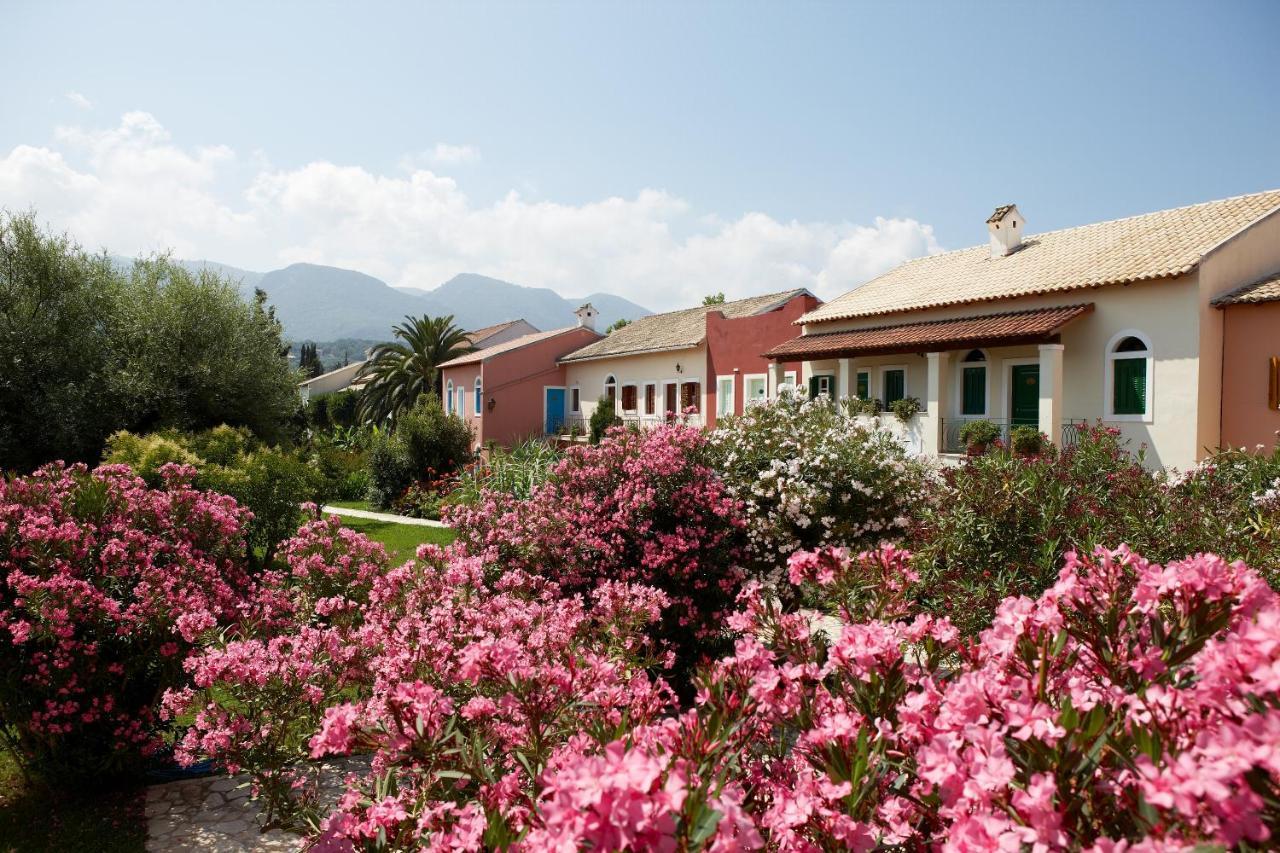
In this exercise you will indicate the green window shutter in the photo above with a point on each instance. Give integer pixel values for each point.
(895, 382)
(1129, 392)
(813, 387)
(864, 385)
(974, 387)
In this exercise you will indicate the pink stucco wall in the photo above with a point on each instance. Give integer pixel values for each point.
(515, 381)
(737, 345)
(1251, 337)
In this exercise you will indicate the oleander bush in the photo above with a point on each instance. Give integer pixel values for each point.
(426, 440)
(105, 586)
(638, 508)
(809, 475)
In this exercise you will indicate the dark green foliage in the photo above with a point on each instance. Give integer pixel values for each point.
(425, 444)
(318, 413)
(1027, 440)
(343, 407)
(399, 373)
(979, 434)
(309, 362)
(86, 350)
(271, 482)
(602, 418)
(713, 299)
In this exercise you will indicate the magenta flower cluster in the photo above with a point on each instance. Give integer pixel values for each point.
(105, 586)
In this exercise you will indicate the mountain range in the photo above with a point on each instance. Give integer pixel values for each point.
(320, 303)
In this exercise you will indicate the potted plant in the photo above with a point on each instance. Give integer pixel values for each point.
(978, 436)
(906, 408)
(1027, 441)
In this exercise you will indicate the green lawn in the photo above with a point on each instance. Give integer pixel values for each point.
(353, 505)
(110, 821)
(400, 540)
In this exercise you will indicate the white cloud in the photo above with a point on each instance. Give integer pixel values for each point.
(445, 154)
(79, 100)
(132, 189)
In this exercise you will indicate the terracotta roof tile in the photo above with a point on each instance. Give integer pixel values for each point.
(1267, 290)
(1154, 245)
(478, 335)
(675, 329)
(1008, 327)
(506, 346)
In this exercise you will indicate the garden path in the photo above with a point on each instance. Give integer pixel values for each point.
(213, 814)
(381, 516)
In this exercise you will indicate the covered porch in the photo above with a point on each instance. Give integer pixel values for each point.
(1006, 368)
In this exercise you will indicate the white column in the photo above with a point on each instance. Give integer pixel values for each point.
(936, 402)
(775, 379)
(1051, 391)
(842, 379)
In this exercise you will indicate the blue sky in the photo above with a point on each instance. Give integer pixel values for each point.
(654, 149)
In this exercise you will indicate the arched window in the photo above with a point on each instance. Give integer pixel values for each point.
(1129, 374)
(448, 396)
(479, 394)
(611, 389)
(973, 383)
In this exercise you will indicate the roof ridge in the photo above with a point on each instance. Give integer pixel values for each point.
(719, 305)
(1042, 309)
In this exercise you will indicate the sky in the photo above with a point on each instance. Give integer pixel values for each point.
(659, 151)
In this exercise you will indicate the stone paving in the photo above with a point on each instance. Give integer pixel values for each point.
(215, 814)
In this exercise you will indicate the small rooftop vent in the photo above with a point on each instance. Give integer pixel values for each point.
(1005, 226)
(586, 315)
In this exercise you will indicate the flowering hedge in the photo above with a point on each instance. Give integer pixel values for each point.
(809, 476)
(106, 586)
(639, 508)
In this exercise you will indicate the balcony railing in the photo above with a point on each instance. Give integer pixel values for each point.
(629, 419)
(951, 427)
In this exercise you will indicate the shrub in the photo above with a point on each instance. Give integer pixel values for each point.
(516, 472)
(1027, 441)
(318, 413)
(602, 419)
(424, 439)
(271, 483)
(855, 406)
(640, 507)
(106, 585)
(906, 408)
(342, 409)
(999, 525)
(979, 434)
(809, 476)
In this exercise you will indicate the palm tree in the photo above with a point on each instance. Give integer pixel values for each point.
(396, 374)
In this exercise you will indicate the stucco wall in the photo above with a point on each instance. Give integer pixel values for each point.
(734, 347)
(1166, 311)
(637, 370)
(516, 381)
(1249, 256)
(1252, 335)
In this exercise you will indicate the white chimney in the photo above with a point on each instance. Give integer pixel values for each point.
(1005, 226)
(586, 315)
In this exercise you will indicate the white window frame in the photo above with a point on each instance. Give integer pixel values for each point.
(621, 406)
(702, 394)
(612, 379)
(986, 383)
(1109, 377)
(906, 381)
(721, 411)
(448, 397)
(871, 391)
(479, 395)
(790, 378)
(644, 403)
(747, 379)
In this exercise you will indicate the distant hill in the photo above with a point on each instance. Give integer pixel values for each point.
(319, 303)
(478, 300)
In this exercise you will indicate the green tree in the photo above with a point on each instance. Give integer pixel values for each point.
(398, 373)
(87, 349)
(616, 325)
(713, 299)
(309, 361)
(57, 318)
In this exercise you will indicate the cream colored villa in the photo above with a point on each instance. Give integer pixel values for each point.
(1117, 321)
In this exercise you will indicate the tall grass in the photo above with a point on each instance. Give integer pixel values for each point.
(517, 472)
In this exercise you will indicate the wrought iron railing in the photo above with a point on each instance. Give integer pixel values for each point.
(951, 428)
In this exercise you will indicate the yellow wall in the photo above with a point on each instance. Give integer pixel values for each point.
(638, 370)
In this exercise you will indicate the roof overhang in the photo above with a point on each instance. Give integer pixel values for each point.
(1010, 328)
(573, 359)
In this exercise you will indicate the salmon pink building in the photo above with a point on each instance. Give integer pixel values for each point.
(500, 391)
(1251, 364)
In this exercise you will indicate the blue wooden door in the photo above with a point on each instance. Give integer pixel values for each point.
(555, 410)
